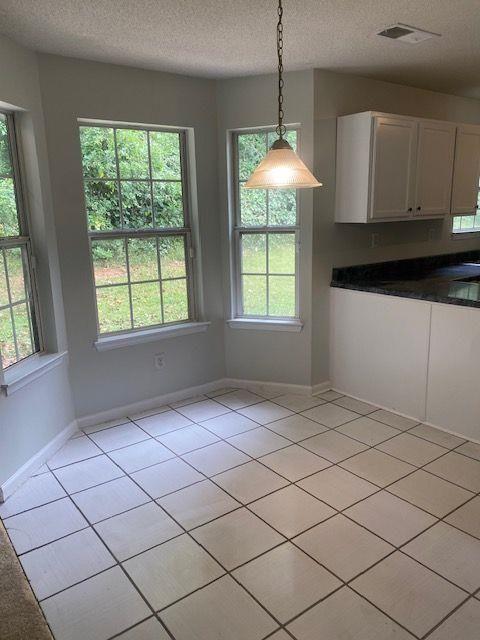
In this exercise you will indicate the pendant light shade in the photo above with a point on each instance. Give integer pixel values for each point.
(281, 169)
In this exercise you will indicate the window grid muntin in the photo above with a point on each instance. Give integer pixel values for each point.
(118, 179)
(239, 230)
(147, 232)
(23, 242)
(186, 235)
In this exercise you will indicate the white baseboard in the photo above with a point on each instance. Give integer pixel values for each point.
(36, 461)
(321, 387)
(168, 398)
(453, 433)
(151, 403)
(277, 387)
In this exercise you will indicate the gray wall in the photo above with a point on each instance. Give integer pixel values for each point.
(35, 414)
(345, 244)
(251, 102)
(74, 89)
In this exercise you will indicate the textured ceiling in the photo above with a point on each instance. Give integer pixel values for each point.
(225, 38)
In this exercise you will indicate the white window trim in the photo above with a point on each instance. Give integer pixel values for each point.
(24, 240)
(294, 325)
(27, 371)
(190, 231)
(238, 320)
(465, 235)
(128, 339)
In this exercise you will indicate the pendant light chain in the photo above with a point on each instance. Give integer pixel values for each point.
(281, 129)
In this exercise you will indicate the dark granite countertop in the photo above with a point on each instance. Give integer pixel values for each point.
(451, 278)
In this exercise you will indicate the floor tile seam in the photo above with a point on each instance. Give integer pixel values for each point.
(93, 486)
(124, 446)
(240, 507)
(43, 504)
(117, 562)
(112, 426)
(347, 584)
(206, 551)
(134, 626)
(445, 618)
(62, 466)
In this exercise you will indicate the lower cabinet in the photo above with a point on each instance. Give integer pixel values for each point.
(414, 357)
(453, 394)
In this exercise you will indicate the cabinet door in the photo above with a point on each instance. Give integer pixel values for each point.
(436, 144)
(466, 170)
(393, 164)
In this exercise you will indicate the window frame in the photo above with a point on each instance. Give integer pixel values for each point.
(22, 241)
(467, 233)
(187, 231)
(237, 230)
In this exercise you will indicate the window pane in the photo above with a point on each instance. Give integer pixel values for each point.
(132, 150)
(168, 204)
(113, 309)
(16, 276)
(109, 261)
(253, 207)
(252, 147)
(146, 304)
(457, 223)
(254, 295)
(142, 259)
(8, 209)
(103, 208)
(22, 330)
(3, 283)
(281, 296)
(6, 339)
(254, 255)
(281, 253)
(282, 207)
(165, 155)
(98, 152)
(136, 205)
(172, 257)
(467, 222)
(175, 300)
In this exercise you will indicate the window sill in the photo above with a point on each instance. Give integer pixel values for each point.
(149, 335)
(266, 325)
(31, 369)
(465, 235)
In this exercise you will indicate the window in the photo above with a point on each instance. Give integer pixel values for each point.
(136, 202)
(469, 223)
(265, 236)
(19, 333)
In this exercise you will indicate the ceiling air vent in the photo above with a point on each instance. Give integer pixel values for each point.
(404, 33)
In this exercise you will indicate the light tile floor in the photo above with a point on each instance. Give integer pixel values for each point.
(242, 516)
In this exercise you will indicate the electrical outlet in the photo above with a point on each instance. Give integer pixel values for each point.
(159, 360)
(374, 240)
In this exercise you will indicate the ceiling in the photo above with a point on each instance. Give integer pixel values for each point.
(225, 38)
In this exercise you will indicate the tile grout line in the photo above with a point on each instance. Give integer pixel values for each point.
(289, 483)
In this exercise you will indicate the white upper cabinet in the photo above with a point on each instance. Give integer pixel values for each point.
(394, 143)
(466, 172)
(434, 170)
(393, 167)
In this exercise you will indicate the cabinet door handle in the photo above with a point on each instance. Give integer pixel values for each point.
(476, 206)
(410, 209)
(419, 208)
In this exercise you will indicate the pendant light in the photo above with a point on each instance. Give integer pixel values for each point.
(281, 168)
